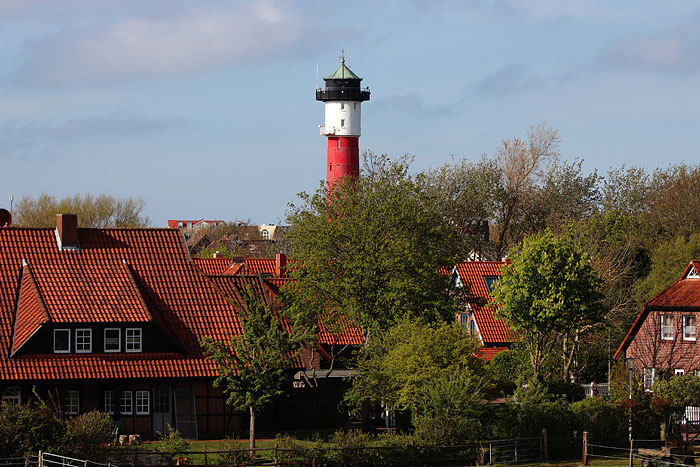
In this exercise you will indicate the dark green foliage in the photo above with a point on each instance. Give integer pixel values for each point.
(605, 420)
(370, 251)
(232, 454)
(26, 429)
(89, 433)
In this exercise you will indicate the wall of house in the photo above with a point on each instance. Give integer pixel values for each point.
(214, 418)
(651, 351)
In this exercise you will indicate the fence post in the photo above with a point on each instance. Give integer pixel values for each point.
(205, 454)
(40, 463)
(632, 452)
(585, 448)
(490, 455)
(543, 440)
(276, 452)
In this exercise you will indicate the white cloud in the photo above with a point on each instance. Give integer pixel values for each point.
(196, 39)
(675, 50)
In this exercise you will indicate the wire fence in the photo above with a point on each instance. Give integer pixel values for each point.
(505, 451)
(644, 453)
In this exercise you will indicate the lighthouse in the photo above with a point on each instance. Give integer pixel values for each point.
(343, 100)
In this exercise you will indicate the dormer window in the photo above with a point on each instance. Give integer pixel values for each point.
(113, 340)
(692, 274)
(133, 339)
(83, 340)
(61, 340)
(265, 234)
(491, 283)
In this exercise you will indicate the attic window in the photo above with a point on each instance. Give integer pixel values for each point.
(265, 234)
(61, 340)
(12, 395)
(83, 340)
(491, 283)
(692, 274)
(133, 339)
(113, 340)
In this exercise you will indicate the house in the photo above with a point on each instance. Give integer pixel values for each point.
(479, 278)
(188, 225)
(111, 319)
(663, 338)
(266, 267)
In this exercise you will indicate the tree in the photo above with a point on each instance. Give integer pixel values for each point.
(370, 252)
(93, 211)
(672, 396)
(253, 366)
(668, 261)
(549, 296)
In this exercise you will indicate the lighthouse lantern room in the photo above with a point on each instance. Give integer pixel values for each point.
(343, 100)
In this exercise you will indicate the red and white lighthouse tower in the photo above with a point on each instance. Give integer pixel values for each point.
(343, 98)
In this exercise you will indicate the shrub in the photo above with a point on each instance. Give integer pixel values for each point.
(234, 453)
(24, 430)
(606, 421)
(173, 442)
(88, 433)
(293, 451)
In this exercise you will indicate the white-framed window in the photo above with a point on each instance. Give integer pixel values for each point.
(71, 405)
(113, 340)
(265, 234)
(109, 402)
(127, 403)
(133, 339)
(696, 373)
(342, 123)
(12, 395)
(679, 372)
(143, 403)
(464, 320)
(342, 106)
(667, 327)
(689, 328)
(61, 340)
(83, 340)
(649, 375)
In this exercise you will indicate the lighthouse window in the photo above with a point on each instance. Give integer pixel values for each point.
(354, 106)
(342, 106)
(342, 122)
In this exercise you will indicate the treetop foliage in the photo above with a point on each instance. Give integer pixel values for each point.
(371, 249)
(102, 211)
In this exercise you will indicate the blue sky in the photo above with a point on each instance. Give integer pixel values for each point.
(206, 109)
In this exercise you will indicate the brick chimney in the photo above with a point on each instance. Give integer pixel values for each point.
(67, 231)
(281, 265)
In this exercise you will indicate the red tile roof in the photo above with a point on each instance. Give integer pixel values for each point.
(472, 274)
(682, 294)
(487, 353)
(117, 275)
(212, 266)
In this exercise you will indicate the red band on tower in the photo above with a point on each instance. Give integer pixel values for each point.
(343, 158)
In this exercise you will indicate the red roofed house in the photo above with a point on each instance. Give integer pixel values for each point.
(481, 277)
(664, 335)
(110, 319)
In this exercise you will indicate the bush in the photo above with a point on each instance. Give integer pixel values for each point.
(234, 454)
(173, 442)
(606, 421)
(293, 451)
(24, 430)
(88, 433)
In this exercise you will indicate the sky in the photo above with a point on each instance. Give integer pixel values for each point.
(206, 109)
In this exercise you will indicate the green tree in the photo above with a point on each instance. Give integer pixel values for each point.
(672, 396)
(370, 252)
(253, 366)
(548, 295)
(93, 211)
(399, 366)
(668, 261)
